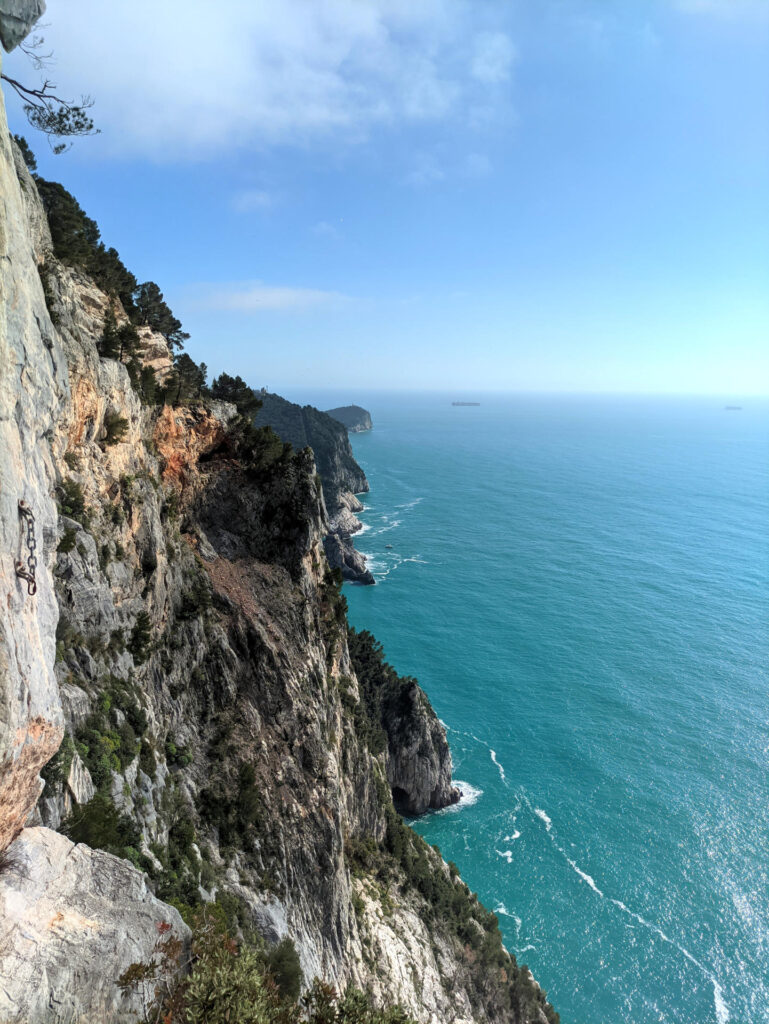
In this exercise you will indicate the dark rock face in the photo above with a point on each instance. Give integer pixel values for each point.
(305, 426)
(419, 766)
(16, 20)
(342, 555)
(355, 418)
(341, 476)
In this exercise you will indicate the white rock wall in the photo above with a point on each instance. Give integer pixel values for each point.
(33, 388)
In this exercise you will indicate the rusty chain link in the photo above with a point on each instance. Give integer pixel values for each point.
(28, 573)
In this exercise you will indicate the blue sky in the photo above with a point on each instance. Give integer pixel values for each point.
(550, 195)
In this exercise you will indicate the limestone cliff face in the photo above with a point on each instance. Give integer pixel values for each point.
(34, 391)
(185, 670)
(92, 914)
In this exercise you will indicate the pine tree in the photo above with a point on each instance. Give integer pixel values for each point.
(235, 390)
(109, 343)
(153, 310)
(190, 379)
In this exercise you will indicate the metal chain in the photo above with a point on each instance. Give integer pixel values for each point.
(28, 574)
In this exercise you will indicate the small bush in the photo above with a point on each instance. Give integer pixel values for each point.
(282, 961)
(99, 824)
(141, 634)
(72, 502)
(116, 427)
(50, 299)
(67, 542)
(57, 769)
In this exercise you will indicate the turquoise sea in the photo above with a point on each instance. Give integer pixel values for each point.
(581, 585)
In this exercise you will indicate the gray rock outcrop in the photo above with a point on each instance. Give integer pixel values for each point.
(16, 20)
(72, 920)
(419, 766)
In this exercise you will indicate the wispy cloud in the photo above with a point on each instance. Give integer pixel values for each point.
(325, 230)
(493, 56)
(426, 171)
(476, 165)
(731, 9)
(257, 297)
(265, 73)
(252, 200)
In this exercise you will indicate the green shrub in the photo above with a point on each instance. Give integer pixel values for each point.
(147, 761)
(282, 962)
(177, 754)
(57, 769)
(141, 634)
(196, 600)
(232, 983)
(67, 542)
(99, 825)
(72, 502)
(116, 427)
(48, 294)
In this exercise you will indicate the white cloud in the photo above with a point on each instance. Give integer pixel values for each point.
(477, 165)
(257, 297)
(426, 171)
(325, 230)
(493, 57)
(182, 79)
(732, 9)
(252, 200)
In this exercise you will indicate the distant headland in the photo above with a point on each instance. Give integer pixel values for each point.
(465, 403)
(353, 417)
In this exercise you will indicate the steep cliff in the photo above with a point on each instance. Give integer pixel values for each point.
(211, 730)
(342, 478)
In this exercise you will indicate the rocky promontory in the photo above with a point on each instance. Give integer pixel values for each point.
(342, 478)
(353, 417)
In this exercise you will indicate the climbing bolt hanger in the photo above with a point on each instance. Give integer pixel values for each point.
(28, 573)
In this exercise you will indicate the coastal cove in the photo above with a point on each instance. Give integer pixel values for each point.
(580, 586)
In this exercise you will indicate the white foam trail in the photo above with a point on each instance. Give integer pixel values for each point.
(507, 854)
(585, 877)
(543, 817)
(722, 1010)
(525, 949)
(499, 766)
(513, 837)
